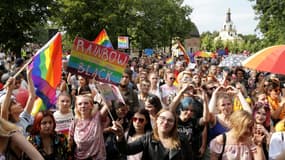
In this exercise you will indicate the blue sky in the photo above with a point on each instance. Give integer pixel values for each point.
(209, 15)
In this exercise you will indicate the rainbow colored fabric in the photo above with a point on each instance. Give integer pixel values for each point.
(170, 60)
(123, 42)
(38, 106)
(185, 55)
(46, 72)
(270, 59)
(103, 39)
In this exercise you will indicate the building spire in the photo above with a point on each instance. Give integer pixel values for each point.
(228, 18)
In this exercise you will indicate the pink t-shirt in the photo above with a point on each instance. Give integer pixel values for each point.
(88, 136)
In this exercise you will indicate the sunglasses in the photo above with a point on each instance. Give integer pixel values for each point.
(172, 78)
(135, 119)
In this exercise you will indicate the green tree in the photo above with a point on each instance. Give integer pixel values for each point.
(18, 19)
(218, 44)
(271, 17)
(148, 23)
(207, 43)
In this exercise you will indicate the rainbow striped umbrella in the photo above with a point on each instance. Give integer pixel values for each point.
(271, 59)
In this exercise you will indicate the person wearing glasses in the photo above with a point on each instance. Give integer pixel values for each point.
(162, 143)
(168, 90)
(275, 100)
(139, 126)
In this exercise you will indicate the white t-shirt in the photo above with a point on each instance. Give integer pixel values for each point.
(63, 122)
(167, 91)
(277, 146)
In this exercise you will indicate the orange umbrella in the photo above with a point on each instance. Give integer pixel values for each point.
(271, 59)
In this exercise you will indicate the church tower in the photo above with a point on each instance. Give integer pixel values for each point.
(228, 32)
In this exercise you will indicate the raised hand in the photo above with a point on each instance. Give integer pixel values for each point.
(117, 129)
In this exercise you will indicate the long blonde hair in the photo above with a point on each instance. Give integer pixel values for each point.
(241, 123)
(175, 141)
(77, 113)
(7, 127)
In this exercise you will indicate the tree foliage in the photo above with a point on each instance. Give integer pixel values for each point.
(250, 43)
(149, 23)
(18, 19)
(271, 15)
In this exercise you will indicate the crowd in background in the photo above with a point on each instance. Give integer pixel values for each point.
(171, 111)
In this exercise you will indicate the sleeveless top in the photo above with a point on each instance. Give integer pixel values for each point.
(88, 136)
(216, 130)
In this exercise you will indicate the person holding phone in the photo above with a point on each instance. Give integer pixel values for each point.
(192, 117)
(163, 142)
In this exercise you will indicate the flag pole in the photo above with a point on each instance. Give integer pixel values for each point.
(21, 69)
(31, 59)
(104, 99)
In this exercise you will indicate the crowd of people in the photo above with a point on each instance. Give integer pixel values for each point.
(170, 111)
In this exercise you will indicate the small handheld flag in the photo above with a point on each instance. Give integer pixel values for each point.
(103, 39)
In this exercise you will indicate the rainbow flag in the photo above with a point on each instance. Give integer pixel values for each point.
(170, 60)
(185, 55)
(123, 42)
(103, 39)
(46, 71)
(38, 106)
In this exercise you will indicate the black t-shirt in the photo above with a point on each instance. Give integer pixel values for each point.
(192, 131)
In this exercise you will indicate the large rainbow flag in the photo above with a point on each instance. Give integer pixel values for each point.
(46, 72)
(103, 39)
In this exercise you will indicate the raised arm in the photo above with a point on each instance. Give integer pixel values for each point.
(213, 100)
(106, 106)
(19, 140)
(176, 100)
(244, 104)
(7, 100)
(124, 147)
(205, 117)
(31, 90)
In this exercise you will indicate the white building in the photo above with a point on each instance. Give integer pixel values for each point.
(228, 32)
